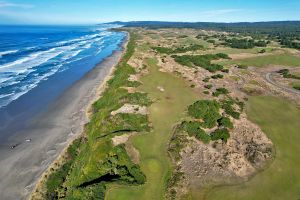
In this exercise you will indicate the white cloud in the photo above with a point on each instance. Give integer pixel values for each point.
(4, 4)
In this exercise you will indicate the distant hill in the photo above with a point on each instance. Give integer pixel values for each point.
(259, 27)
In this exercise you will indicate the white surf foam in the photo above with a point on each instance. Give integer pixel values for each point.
(3, 53)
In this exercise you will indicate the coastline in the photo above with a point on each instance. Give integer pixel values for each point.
(53, 130)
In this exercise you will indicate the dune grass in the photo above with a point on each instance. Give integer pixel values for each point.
(262, 61)
(164, 113)
(279, 119)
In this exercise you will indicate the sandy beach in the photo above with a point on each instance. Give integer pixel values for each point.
(50, 132)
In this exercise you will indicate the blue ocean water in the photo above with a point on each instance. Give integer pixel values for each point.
(30, 55)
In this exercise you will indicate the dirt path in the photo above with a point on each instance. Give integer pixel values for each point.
(270, 79)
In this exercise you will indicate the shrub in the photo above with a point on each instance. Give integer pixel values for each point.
(203, 61)
(194, 129)
(227, 105)
(220, 91)
(206, 79)
(208, 86)
(220, 134)
(297, 87)
(225, 122)
(217, 76)
(206, 110)
(225, 70)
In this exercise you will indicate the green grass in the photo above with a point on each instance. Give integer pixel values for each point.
(164, 113)
(279, 119)
(295, 85)
(262, 61)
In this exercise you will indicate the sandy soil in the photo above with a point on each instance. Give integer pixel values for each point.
(51, 132)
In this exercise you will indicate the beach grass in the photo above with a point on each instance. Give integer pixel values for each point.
(279, 119)
(96, 161)
(168, 108)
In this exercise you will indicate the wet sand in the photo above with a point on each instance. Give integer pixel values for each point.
(50, 132)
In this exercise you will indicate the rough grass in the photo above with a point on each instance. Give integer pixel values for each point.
(262, 61)
(279, 119)
(96, 162)
(164, 113)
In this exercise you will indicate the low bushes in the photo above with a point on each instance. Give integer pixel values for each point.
(227, 105)
(194, 129)
(206, 110)
(220, 91)
(286, 74)
(217, 76)
(165, 50)
(220, 134)
(203, 61)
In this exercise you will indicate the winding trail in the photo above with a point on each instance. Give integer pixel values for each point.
(270, 79)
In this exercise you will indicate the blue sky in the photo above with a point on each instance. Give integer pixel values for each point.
(95, 11)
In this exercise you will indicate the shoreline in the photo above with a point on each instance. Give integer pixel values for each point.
(59, 160)
(53, 130)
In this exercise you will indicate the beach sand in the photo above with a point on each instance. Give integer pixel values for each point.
(51, 132)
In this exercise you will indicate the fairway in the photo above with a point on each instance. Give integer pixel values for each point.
(279, 119)
(168, 107)
(262, 61)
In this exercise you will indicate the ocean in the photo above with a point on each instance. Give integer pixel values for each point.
(38, 64)
(49, 75)
(30, 55)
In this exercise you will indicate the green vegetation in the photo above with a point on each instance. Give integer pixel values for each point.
(209, 86)
(245, 43)
(286, 74)
(93, 161)
(261, 61)
(289, 41)
(203, 61)
(225, 122)
(220, 134)
(296, 85)
(164, 113)
(217, 76)
(281, 180)
(228, 106)
(194, 129)
(206, 115)
(165, 50)
(220, 91)
(206, 80)
(206, 110)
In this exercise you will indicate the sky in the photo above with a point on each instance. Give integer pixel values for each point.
(97, 11)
